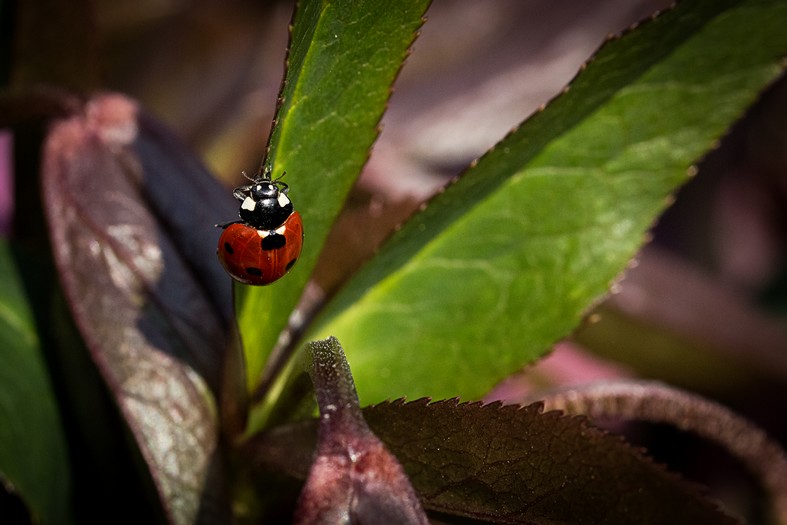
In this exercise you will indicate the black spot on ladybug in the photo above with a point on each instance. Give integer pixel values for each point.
(273, 241)
(254, 271)
(228, 248)
(291, 264)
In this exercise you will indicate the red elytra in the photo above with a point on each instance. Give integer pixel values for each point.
(260, 257)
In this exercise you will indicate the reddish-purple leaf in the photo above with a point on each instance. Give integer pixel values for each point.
(659, 403)
(354, 479)
(131, 218)
(511, 464)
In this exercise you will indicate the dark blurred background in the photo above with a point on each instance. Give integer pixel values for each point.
(704, 305)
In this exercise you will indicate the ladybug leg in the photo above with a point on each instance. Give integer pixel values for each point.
(224, 225)
(241, 192)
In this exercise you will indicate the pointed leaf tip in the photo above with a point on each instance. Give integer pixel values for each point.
(509, 258)
(342, 61)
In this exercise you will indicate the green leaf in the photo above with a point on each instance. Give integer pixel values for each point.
(507, 260)
(33, 456)
(343, 58)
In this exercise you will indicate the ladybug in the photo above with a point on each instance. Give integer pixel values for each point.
(266, 242)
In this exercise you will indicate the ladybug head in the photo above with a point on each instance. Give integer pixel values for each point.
(265, 189)
(265, 204)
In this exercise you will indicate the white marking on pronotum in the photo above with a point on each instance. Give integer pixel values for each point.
(248, 204)
(281, 230)
(283, 200)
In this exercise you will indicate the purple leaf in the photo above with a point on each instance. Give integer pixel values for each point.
(660, 403)
(354, 479)
(511, 464)
(131, 219)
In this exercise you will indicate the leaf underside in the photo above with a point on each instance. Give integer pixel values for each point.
(126, 217)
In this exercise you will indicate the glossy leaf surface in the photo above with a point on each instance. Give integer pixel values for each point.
(342, 61)
(508, 259)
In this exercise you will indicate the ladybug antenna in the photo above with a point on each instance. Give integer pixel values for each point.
(283, 187)
(246, 176)
(265, 175)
